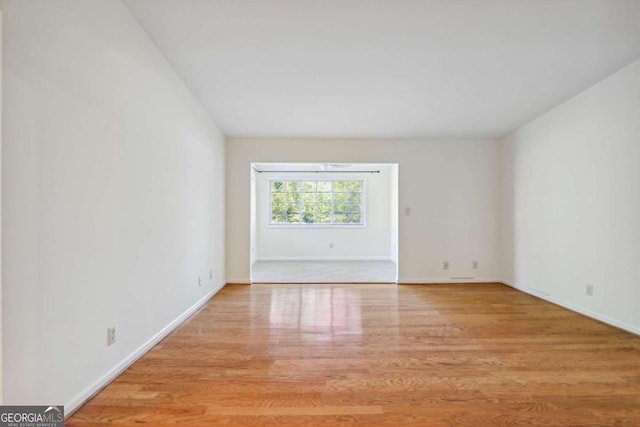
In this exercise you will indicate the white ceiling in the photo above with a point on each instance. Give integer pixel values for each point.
(388, 68)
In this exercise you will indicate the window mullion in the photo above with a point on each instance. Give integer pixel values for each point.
(300, 202)
(315, 203)
(286, 204)
(332, 205)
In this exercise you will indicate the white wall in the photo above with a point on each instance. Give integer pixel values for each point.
(253, 220)
(572, 202)
(113, 187)
(451, 187)
(1, 365)
(393, 217)
(368, 242)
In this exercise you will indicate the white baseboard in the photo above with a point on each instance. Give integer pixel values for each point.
(403, 281)
(245, 280)
(352, 258)
(581, 310)
(103, 381)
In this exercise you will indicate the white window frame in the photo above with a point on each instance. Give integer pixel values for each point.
(363, 203)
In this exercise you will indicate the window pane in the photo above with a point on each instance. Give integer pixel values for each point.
(278, 213)
(352, 208)
(340, 197)
(354, 218)
(308, 217)
(293, 197)
(324, 205)
(308, 213)
(308, 197)
(293, 213)
(339, 203)
(309, 186)
(293, 208)
(353, 186)
(277, 186)
(340, 218)
(279, 218)
(324, 186)
(324, 213)
(277, 198)
(293, 186)
(338, 186)
(324, 198)
(353, 198)
(323, 217)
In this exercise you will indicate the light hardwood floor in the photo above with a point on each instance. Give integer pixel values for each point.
(425, 355)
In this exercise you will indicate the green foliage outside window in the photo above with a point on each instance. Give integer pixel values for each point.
(317, 202)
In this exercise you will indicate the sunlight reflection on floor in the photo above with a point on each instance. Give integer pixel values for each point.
(320, 314)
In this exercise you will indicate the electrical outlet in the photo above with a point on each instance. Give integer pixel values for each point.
(111, 335)
(407, 211)
(331, 245)
(199, 281)
(588, 289)
(210, 274)
(475, 265)
(445, 265)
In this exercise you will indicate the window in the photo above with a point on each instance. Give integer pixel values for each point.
(316, 202)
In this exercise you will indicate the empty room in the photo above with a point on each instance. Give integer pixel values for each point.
(304, 212)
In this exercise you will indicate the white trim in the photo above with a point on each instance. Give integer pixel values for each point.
(113, 373)
(581, 310)
(445, 280)
(306, 226)
(346, 258)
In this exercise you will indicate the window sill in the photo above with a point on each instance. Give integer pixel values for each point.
(305, 226)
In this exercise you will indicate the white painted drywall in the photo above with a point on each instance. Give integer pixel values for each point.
(253, 220)
(451, 187)
(393, 217)
(1, 339)
(113, 196)
(313, 243)
(572, 202)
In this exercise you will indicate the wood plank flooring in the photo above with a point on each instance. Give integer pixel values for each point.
(346, 355)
